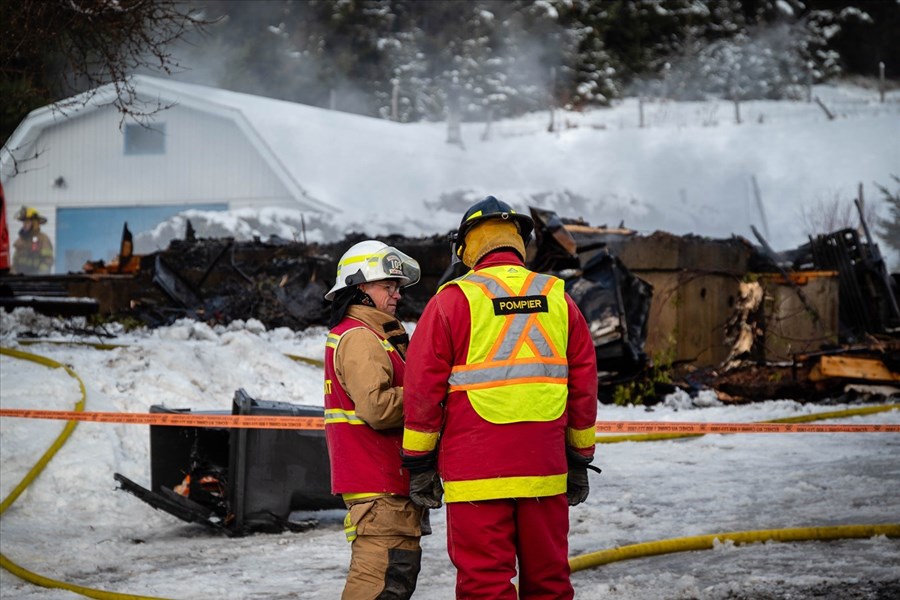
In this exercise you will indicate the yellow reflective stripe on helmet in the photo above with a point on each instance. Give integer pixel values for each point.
(504, 487)
(581, 438)
(349, 260)
(337, 415)
(419, 441)
(475, 215)
(349, 528)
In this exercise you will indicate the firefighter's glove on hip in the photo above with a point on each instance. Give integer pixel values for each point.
(425, 487)
(577, 487)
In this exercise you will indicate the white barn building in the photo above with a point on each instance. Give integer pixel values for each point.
(88, 171)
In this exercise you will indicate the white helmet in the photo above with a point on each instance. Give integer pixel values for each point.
(372, 260)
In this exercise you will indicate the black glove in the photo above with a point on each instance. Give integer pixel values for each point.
(425, 487)
(577, 487)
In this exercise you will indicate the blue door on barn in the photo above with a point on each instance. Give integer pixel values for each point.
(84, 234)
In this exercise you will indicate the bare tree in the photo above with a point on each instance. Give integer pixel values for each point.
(889, 228)
(834, 214)
(53, 49)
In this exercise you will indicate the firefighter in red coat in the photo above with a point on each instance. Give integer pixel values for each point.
(500, 402)
(364, 371)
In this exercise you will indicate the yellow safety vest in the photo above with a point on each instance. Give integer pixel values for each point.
(516, 368)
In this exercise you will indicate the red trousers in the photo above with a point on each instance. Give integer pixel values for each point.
(486, 538)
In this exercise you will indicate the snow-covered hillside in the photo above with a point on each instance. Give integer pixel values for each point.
(689, 169)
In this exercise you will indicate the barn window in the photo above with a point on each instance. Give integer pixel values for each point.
(141, 139)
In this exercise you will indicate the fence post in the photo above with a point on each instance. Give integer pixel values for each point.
(395, 97)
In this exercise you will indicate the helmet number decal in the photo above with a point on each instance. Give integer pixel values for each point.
(393, 265)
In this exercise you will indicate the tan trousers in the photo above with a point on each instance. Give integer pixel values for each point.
(385, 557)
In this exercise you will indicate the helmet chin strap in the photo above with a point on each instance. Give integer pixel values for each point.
(366, 300)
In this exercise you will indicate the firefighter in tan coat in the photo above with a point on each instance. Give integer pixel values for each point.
(364, 368)
(33, 251)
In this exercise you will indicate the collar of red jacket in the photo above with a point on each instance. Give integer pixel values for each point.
(501, 256)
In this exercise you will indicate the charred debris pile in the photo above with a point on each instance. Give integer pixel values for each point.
(281, 284)
(664, 310)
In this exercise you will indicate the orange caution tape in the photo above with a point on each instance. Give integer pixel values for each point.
(700, 428)
(285, 422)
(174, 419)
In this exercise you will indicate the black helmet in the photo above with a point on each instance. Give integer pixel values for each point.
(491, 208)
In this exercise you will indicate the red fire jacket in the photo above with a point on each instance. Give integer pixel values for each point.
(363, 460)
(469, 447)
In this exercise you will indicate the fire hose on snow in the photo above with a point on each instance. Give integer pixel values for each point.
(656, 431)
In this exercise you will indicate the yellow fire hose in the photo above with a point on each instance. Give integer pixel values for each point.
(706, 542)
(100, 346)
(838, 414)
(32, 474)
(54, 583)
(577, 563)
(66, 432)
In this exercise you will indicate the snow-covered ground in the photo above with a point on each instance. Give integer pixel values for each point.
(72, 524)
